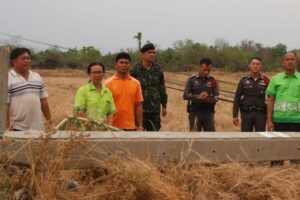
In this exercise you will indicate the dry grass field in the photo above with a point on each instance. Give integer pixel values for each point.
(140, 179)
(62, 86)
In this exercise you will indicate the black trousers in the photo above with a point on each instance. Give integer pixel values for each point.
(285, 127)
(151, 121)
(253, 121)
(202, 121)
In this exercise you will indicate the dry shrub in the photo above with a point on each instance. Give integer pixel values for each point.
(120, 177)
(74, 123)
(41, 172)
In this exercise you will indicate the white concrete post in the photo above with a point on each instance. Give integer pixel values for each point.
(4, 66)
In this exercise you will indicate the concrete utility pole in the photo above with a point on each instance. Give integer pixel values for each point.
(4, 66)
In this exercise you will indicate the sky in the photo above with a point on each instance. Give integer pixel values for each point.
(109, 25)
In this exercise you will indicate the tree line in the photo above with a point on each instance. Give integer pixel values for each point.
(184, 55)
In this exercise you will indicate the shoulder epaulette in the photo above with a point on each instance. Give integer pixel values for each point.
(266, 79)
(211, 78)
(192, 77)
(244, 77)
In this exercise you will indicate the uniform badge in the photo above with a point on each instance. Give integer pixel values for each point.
(262, 82)
(196, 83)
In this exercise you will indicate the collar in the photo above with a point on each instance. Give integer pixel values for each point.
(15, 74)
(116, 77)
(92, 87)
(296, 75)
(141, 66)
(250, 77)
(206, 77)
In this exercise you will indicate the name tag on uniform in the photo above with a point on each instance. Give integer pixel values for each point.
(262, 82)
(196, 83)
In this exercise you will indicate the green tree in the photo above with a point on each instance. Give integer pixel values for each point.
(279, 50)
(187, 54)
(50, 58)
(247, 45)
(72, 59)
(89, 54)
(138, 37)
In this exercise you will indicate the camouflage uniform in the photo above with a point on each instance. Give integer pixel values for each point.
(201, 114)
(250, 98)
(154, 93)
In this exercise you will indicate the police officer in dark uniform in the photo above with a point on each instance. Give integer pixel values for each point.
(202, 92)
(250, 99)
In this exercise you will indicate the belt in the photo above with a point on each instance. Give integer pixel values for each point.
(245, 108)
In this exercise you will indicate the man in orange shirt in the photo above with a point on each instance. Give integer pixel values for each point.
(127, 94)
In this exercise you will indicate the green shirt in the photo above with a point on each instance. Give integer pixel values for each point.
(286, 90)
(96, 105)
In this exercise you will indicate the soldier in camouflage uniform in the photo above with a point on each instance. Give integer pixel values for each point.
(151, 77)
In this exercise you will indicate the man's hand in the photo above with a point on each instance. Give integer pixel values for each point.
(9, 126)
(49, 127)
(139, 129)
(235, 121)
(164, 112)
(270, 125)
(81, 114)
(203, 95)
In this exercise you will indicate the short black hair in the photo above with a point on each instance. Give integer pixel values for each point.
(146, 47)
(206, 61)
(293, 52)
(255, 58)
(17, 52)
(122, 55)
(88, 70)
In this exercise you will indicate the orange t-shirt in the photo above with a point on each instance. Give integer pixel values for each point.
(126, 93)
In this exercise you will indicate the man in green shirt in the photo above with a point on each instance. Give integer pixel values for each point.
(151, 78)
(93, 100)
(284, 98)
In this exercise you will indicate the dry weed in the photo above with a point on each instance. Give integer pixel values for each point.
(120, 177)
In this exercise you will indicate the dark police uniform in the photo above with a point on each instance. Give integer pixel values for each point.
(250, 99)
(154, 93)
(201, 114)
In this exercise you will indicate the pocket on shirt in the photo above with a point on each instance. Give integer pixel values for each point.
(296, 91)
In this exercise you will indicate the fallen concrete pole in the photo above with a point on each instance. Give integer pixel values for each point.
(158, 146)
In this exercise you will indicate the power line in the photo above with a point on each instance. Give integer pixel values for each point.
(221, 81)
(35, 41)
(222, 96)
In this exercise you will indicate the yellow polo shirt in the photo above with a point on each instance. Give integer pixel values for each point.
(96, 105)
